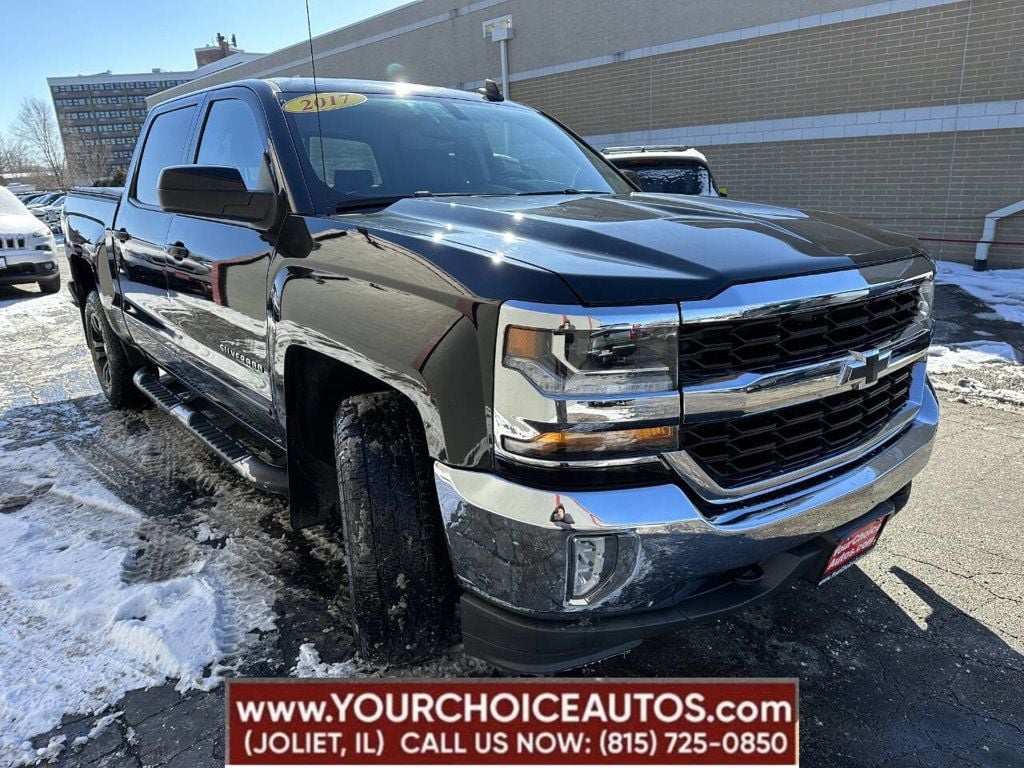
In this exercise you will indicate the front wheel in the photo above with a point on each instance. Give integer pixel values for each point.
(400, 577)
(49, 286)
(109, 358)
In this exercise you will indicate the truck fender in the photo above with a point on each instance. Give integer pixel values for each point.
(310, 374)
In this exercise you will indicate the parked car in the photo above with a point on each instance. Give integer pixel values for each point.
(672, 169)
(50, 213)
(31, 196)
(27, 250)
(43, 200)
(585, 413)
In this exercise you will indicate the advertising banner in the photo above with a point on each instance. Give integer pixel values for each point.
(512, 722)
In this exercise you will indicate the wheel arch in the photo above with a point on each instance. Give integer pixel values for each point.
(83, 279)
(315, 383)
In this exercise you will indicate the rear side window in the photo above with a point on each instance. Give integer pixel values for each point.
(164, 146)
(232, 138)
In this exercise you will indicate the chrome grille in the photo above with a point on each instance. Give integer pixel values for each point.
(739, 451)
(716, 349)
(786, 379)
(12, 242)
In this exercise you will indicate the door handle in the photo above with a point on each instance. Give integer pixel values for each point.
(121, 235)
(177, 251)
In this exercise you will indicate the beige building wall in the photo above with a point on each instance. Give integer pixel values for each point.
(905, 113)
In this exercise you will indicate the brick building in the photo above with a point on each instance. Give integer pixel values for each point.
(100, 116)
(907, 114)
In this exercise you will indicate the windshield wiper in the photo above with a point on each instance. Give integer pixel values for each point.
(566, 191)
(367, 202)
(383, 202)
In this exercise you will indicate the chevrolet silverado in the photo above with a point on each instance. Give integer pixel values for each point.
(549, 412)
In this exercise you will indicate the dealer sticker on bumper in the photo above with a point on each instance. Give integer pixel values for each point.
(852, 547)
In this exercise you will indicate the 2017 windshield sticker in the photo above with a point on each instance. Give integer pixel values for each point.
(322, 102)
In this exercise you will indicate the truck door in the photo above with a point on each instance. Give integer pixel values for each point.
(217, 276)
(140, 232)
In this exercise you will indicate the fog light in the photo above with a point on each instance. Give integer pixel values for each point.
(593, 560)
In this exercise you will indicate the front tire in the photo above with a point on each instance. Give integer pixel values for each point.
(49, 286)
(109, 358)
(401, 584)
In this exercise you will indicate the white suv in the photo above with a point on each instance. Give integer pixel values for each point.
(672, 169)
(27, 249)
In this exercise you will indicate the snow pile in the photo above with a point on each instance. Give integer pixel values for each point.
(969, 355)
(451, 664)
(74, 635)
(1002, 289)
(309, 665)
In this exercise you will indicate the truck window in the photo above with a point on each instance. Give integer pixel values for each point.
(165, 143)
(384, 145)
(232, 138)
(354, 159)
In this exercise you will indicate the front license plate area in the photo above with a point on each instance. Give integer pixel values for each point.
(3, 262)
(852, 547)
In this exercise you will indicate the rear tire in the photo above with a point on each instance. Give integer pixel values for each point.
(109, 358)
(400, 578)
(49, 286)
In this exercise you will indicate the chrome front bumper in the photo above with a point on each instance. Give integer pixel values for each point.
(507, 549)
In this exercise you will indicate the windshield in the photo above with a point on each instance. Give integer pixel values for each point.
(385, 146)
(680, 177)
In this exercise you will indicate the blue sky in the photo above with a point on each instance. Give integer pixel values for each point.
(58, 38)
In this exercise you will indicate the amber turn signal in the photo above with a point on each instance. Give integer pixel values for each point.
(525, 343)
(555, 444)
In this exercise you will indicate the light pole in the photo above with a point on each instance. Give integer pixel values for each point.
(499, 31)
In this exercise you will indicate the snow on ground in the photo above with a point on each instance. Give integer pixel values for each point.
(985, 368)
(76, 636)
(451, 664)
(130, 556)
(77, 632)
(969, 355)
(96, 596)
(1002, 289)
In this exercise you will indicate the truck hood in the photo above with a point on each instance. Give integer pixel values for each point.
(647, 247)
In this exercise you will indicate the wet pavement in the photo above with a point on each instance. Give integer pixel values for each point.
(913, 658)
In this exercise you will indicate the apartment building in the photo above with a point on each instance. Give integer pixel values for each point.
(905, 114)
(100, 116)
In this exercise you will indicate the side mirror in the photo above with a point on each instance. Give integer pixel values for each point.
(215, 191)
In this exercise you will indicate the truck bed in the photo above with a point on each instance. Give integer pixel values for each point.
(87, 207)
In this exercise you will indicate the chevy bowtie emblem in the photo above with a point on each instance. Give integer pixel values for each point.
(865, 368)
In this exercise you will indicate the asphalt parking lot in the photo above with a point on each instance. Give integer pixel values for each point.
(913, 658)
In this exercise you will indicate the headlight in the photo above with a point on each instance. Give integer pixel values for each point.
(42, 240)
(584, 386)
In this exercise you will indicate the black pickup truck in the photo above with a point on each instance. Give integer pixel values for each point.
(551, 412)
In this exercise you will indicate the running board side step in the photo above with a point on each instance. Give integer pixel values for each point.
(263, 475)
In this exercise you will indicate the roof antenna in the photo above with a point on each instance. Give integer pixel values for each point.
(490, 91)
(316, 91)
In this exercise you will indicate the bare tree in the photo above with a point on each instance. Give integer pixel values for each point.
(87, 163)
(14, 155)
(37, 128)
